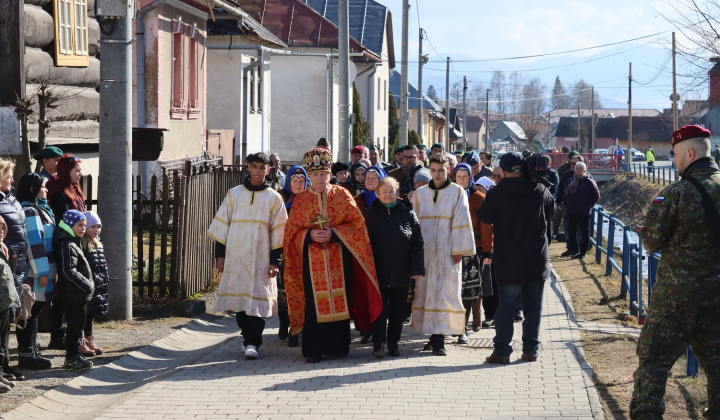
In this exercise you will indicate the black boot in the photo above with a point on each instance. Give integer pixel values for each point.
(367, 336)
(393, 349)
(57, 340)
(29, 359)
(378, 350)
(293, 340)
(284, 324)
(8, 372)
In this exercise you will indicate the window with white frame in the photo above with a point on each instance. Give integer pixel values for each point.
(71, 33)
(177, 105)
(193, 80)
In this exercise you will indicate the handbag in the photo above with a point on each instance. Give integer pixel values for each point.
(27, 300)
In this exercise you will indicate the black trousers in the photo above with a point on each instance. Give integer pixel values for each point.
(58, 311)
(490, 303)
(27, 337)
(252, 328)
(388, 326)
(75, 315)
(4, 337)
(89, 325)
(576, 223)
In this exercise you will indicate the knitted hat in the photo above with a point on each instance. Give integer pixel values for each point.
(317, 160)
(688, 132)
(48, 152)
(422, 175)
(71, 217)
(92, 218)
(339, 167)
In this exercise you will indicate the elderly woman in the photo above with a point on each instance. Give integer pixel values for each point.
(397, 246)
(15, 240)
(476, 279)
(581, 194)
(296, 182)
(372, 178)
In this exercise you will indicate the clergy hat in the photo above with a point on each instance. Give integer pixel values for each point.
(689, 132)
(322, 142)
(48, 152)
(317, 160)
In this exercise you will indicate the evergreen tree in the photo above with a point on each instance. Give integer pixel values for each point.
(413, 137)
(393, 121)
(431, 93)
(361, 129)
(560, 98)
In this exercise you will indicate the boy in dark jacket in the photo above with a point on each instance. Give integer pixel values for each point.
(75, 284)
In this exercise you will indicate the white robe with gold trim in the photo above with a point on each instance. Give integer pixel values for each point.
(250, 225)
(447, 231)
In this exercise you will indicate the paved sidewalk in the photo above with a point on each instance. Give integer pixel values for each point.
(214, 381)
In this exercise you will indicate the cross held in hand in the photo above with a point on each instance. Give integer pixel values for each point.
(319, 221)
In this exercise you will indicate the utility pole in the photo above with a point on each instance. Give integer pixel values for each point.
(577, 142)
(447, 104)
(592, 121)
(114, 181)
(404, 77)
(487, 119)
(421, 61)
(344, 77)
(464, 124)
(628, 158)
(675, 96)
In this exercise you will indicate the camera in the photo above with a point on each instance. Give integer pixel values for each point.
(536, 166)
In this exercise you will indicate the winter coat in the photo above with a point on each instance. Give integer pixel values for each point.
(8, 294)
(99, 302)
(75, 283)
(396, 242)
(16, 239)
(585, 197)
(483, 232)
(520, 212)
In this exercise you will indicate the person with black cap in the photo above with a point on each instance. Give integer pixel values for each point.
(405, 175)
(323, 143)
(398, 153)
(339, 173)
(479, 170)
(520, 211)
(48, 158)
(422, 155)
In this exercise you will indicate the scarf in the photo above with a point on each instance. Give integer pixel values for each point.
(573, 185)
(295, 171)
(41, 204)
(370, 196)
(465, 167)
(351, 178)
(389, 206)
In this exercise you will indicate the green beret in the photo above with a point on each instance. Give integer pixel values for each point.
(573, 153)
(439, 145)
(421, 146)
(48, 152)
(399, 149)
(458, 152)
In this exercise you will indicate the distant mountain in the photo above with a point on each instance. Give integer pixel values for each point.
(607, 70)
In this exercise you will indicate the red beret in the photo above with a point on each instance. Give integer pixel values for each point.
(688, 132)
(357, 149)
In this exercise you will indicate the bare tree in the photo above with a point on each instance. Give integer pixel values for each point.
(582, 92)
(46, 99)
(515, 86)
(23, 110)
(476, 97)
(498, 91)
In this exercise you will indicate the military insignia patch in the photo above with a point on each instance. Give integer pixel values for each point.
(658, 200)
(652, 214)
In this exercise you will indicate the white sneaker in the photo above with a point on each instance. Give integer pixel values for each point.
(242, 347)
(251, 352)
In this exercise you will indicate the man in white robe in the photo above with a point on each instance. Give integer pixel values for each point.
(443, 211)
(248, 230)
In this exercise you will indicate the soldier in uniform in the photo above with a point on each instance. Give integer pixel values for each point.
(684, 224)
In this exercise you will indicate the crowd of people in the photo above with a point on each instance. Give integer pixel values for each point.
(52, 259)
(431, 238)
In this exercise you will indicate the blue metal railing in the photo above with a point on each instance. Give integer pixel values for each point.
(629, 267)
(662, 175)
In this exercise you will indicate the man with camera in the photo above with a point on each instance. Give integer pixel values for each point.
(520, 209)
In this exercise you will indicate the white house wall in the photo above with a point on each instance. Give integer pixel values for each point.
(225, 91)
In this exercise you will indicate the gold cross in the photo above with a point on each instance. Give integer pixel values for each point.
(319, 221)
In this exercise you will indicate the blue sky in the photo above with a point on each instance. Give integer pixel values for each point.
(467, 29)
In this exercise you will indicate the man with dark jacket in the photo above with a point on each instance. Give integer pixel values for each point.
(520, 212)
(405, 175)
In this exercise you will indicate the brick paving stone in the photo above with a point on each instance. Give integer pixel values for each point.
(198, 372)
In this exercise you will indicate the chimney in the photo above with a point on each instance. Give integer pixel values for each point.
(714, 73)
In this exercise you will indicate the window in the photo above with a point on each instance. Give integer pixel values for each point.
(71, 33)
(193, 97)
(177, 106)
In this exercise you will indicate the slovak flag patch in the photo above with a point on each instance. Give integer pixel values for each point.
(658, 200)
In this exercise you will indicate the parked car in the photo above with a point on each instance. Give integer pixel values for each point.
(636, 154)
(600, 151)
(546, 150)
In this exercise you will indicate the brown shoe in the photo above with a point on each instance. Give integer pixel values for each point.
(527, 358)
(497, 360)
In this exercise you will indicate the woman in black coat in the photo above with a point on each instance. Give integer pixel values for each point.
(397, 246)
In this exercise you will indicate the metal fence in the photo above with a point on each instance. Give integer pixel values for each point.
(662, 175)
(629, 265)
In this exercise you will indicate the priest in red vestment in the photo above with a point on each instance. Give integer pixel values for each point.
(330, 273)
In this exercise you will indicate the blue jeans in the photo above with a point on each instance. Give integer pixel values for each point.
(513, 295)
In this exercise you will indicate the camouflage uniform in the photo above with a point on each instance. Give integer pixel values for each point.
(686, 297)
